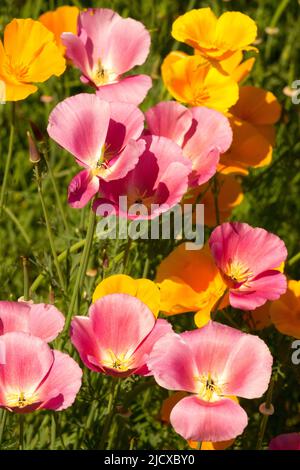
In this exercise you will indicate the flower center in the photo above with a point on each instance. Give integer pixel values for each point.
(20, 399)
(210, 389)
(120, 362)
(16, 71)
(236, 273)
(102, 76)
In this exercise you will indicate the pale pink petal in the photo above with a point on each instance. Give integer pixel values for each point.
(210, 135)
(80, 124)
(45, 321)
(132, 89)
(141, 354)
(120, 323)
(82, 189)
(197, 420)
(172, 363)
(28, 359)
(84, 340)
(169, 119)
(61, 386)
(76, 52)
(269, 285)
(123, 163)
(289, 441)
(14, 316)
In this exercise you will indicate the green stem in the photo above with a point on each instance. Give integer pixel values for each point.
(265, 418)
(294, 259)
(115, 385)
(14, 219)
(82, 268)
(56, 192)
(26, 278)
(126, 254)
(217, 305)
(61, 257)
(216, 202)
(279, 11)
(21, 432)
(53, 432)
(2, 424)
(7, 165)
(49, 230)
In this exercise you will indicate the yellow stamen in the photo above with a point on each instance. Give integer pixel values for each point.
(211, 390)
(120, 362)
(20, 399)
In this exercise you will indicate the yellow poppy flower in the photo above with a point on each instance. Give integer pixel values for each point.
(143, 289)
(236, 68)
(252, 121)
(195, 81)
(61, 20)
(285, 312)
(216, 38)
(189, 281)
(28, 55)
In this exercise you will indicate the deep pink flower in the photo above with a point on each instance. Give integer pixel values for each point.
(160, 178)
(101, 136)
(248, 259)
(289, 441)
(32, 376)
(118, 335)
(202, 133)
(212, 363)
(41, 320)
(106, 47)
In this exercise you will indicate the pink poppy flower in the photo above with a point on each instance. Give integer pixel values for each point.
(212, 363)
(106, 47)
(156, 184)
(33, 377)
(41, 320)
(202, 133)
(101, 136)
(118, 335)
(249, 259)
(289, 441)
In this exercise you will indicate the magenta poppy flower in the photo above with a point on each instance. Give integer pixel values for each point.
(118, 335)
(41, 320)
(212, 363)
(202, 133)
(248, 259)
(101, 136)
(156, 184)
(33, 377)
(289, 441)
(105, 48)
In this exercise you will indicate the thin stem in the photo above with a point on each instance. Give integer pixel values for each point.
(21, 432)
(61, 257)
(82, 268)
(126, 254)
(216, 202)
(265, 418)
(49, 230)
(115, 385)
(217, 305)
(56, 192)
(7, 165)
(26, 278)
(2, 424)
(14, 219)
(52, 433)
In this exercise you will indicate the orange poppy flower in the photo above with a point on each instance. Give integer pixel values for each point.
(236, 67)
(252, 121)
(195, 81)
(28, 55)
(216, 38)
(285, 312)
(165, 412)
(189, 281)
(230, 195)
(61, 20)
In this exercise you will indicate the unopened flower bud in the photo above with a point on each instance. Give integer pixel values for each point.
(267, 411)
(34, 155)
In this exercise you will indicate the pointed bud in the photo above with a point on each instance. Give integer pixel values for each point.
(38, 134)
(34, 155)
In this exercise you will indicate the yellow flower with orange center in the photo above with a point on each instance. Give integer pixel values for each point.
(28, 55)
(61, 20)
